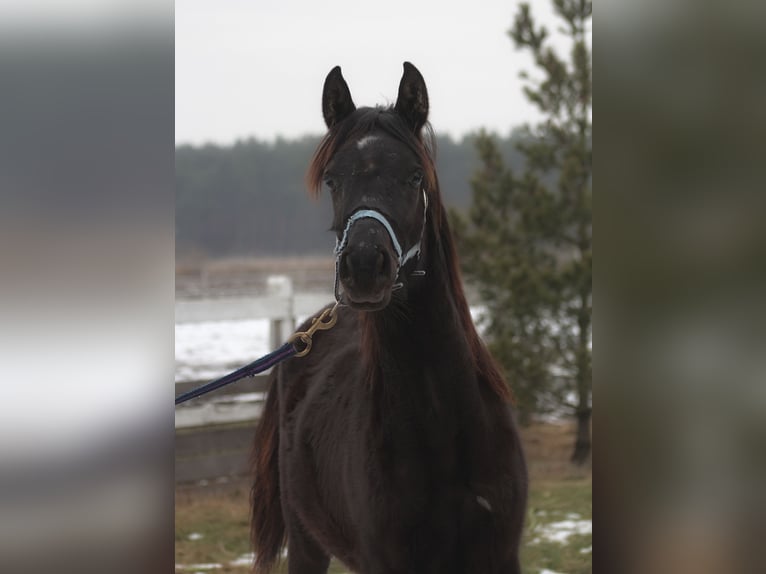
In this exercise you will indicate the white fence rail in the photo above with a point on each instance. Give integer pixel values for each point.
(233, 308)
(233, 409)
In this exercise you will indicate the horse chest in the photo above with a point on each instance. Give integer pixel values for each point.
(413, 451)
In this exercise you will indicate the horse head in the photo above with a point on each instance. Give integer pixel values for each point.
(376, 168)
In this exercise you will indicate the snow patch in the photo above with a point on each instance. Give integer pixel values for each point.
(561, 531)
(244, 560)
(213, 348)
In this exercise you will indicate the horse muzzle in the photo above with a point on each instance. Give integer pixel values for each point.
(367, 266)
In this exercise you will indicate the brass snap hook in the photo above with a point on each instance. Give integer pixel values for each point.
(324, 322)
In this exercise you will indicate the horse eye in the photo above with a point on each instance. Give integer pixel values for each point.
(329, 182)
(416, 179)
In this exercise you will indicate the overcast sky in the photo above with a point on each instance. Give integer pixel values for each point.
(247, 68)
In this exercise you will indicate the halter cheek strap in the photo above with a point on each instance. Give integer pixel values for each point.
(402, 258)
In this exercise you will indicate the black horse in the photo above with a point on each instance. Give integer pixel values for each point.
(391, 446)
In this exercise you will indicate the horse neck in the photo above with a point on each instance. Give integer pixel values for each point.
(426, 331)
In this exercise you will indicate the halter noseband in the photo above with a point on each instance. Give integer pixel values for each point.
(402, 258)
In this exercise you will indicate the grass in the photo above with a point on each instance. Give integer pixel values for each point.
(221, 518)
(558, 493)
(551, 503)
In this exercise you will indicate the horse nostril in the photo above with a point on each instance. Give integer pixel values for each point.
(382, 263)
(345, 266)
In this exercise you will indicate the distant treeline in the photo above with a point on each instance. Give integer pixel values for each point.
(249, 199)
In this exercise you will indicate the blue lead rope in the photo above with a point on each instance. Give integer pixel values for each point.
(284, 352)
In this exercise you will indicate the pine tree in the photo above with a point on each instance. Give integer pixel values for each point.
(527, 240)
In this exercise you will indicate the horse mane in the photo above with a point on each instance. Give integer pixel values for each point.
(361, 122)
(486, 366)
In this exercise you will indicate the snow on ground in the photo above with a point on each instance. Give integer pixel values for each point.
(244, 560)
(211, 349)
(562, 530)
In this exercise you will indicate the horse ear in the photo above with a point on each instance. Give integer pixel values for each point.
(336, 98)
(412, 102)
